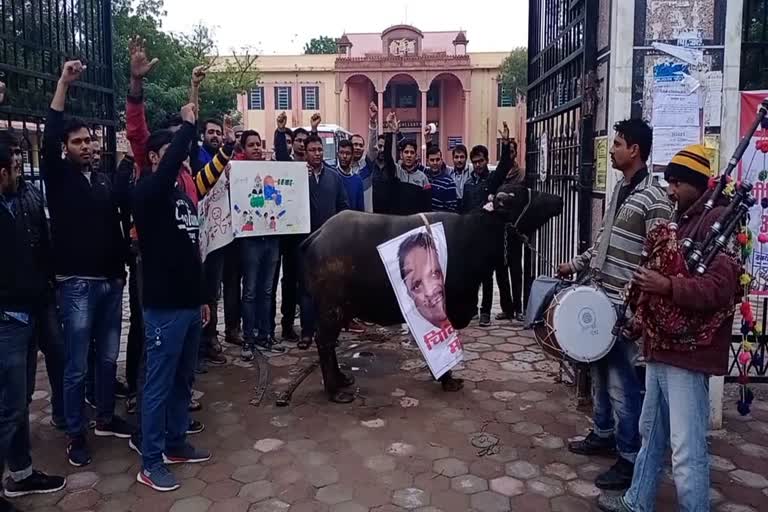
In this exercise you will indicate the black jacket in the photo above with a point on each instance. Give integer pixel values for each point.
(327, 196)
(390, 195)
(85, 218)
(478, 188)
(25, 264)
(167, 225)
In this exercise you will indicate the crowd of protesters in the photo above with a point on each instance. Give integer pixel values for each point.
(63, 273)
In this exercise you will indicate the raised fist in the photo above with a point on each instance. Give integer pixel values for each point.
(140, 63)
(504, 132)
(373, 111)
(282, 120)
(315, 120)
(198, 74)
(71, 71)
(229, 131)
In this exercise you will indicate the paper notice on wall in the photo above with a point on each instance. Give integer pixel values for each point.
(713, 98)
(675, 105)
(601, 163)
(668, 140)
(416, 264)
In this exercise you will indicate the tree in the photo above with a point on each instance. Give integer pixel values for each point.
(514, 72)
(321, 45)
(167, 86)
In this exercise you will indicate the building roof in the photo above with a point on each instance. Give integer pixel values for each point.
(370, 42)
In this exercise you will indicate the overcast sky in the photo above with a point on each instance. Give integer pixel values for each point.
(282, 27)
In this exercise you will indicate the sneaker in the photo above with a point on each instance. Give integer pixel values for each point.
(618, 477)
(485, 319)
(121, 389)
(90, 401)
(194, 406)
(134, 443)
(118, 427)
(270, 345)
(246, 353)
(215, 358)
(36, 483)
(77, 452)
(612, 503)
(130, 405)
(594, 445)
(355, 327)
(187, 454)
(289, 334)
(504, 316)
(7, 506)
(233, 337)
(518, 318)
(195, 427)
(159, 479)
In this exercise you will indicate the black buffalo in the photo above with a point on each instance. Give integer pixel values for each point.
(347, 279)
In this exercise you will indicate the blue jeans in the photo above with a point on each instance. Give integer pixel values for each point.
(50, 341)
(172, 338)
(676, 414)
(17, 382)
(616, 391)
(90, 312)
(259, 257)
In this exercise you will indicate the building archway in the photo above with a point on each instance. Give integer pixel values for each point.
(448, 94)
(358, 92)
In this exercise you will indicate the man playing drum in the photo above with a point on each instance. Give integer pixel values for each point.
(676, 405)
(638, 203)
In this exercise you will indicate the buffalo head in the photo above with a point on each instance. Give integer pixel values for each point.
(526, 209)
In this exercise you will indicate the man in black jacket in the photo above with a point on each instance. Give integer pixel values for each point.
(89, 254)
(478, 187)
(174, 306)
(24, 285)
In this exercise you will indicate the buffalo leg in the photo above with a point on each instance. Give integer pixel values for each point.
(451, 384)
(333, 378)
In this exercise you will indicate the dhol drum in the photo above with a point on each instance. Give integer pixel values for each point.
(577, 325)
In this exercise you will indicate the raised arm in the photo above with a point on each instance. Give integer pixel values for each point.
(54, 124)
(198, 75)
(281, 145)
(315, 123)
(136, 130)
(506, 162)
(373, 132)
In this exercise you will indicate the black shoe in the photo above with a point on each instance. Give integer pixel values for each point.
(305, 342)
(194, 406)
(121, 389)
(504, 316)
(594, 445)
(134, 443)
(618, 478)
(77, 452)
(118, 427)
(233, 337)
(289, 334)
(36, 483)
(269, 345)
(7, 506)
(215, 358)
(485, 319)
(195, 427)
(90, 401)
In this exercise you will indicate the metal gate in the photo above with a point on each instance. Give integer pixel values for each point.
(562, 57)
(36, 38)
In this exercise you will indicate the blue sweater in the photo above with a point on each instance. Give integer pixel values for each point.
(445, 197)
(353, 184)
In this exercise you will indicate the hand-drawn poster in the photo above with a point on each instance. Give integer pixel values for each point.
(416, 263)
(269, 198)
(215, 219)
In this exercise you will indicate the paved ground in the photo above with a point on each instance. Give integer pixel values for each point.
(403, 445)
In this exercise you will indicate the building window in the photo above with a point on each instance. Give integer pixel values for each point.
(282, 98)
(406, 95)
(754, 46)
(310, 98)
(433, 96)
(506, 96)
(256, 99)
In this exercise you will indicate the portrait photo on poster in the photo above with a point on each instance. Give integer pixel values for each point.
(269, 198)
(415, 263)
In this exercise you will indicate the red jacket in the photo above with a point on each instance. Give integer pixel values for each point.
(137, 134)
(717, 288)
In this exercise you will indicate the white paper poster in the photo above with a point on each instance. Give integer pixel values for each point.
(215, 219)
(269, 198)
(416, 263)
(675, 105)
(713, 98)
(668, 140)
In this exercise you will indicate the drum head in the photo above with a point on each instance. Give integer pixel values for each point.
(583, 321)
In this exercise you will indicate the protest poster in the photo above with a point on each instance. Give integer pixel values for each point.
(415, 263)
(269, 198)
(215, 218)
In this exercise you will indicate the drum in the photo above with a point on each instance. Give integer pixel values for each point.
(577, 325)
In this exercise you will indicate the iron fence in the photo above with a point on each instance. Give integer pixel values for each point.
(36, 38)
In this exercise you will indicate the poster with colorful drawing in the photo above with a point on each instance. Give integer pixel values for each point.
(269, 198)
(416, 262)
(215, 218)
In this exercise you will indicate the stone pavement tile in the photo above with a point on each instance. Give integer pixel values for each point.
(348, 506)
(372, 495)
(114, 484)
(529, 502)
(432, 482)
(450, 501)
(735, 507)
(256, 491)
(507, 486)
(546, 486)
(571, 504)
(334, 494)
(272, 505)
(222, 490)
(490, 502)
(230, 505)
(583, 489)
(310, 506)
(749, 479)
(79, 500)
(193, 504)
(252, 473)
(81, 480)
(561, 471)
(450, 467)
(487, 468)
(469, 484)
(216, 472)
(410, 498)
(522, 469)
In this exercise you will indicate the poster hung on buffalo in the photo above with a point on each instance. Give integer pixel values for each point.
(753, 163)
(415, 264)
(215, 218)
(269, 198)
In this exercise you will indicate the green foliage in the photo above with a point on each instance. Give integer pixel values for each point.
(320, 45)
(167, 86)
(514, 71)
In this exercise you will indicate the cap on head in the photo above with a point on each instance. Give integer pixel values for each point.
(691, 165)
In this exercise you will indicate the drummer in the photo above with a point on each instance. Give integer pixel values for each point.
(637, 204)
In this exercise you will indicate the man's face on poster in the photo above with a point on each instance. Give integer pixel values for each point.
(424, 281)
